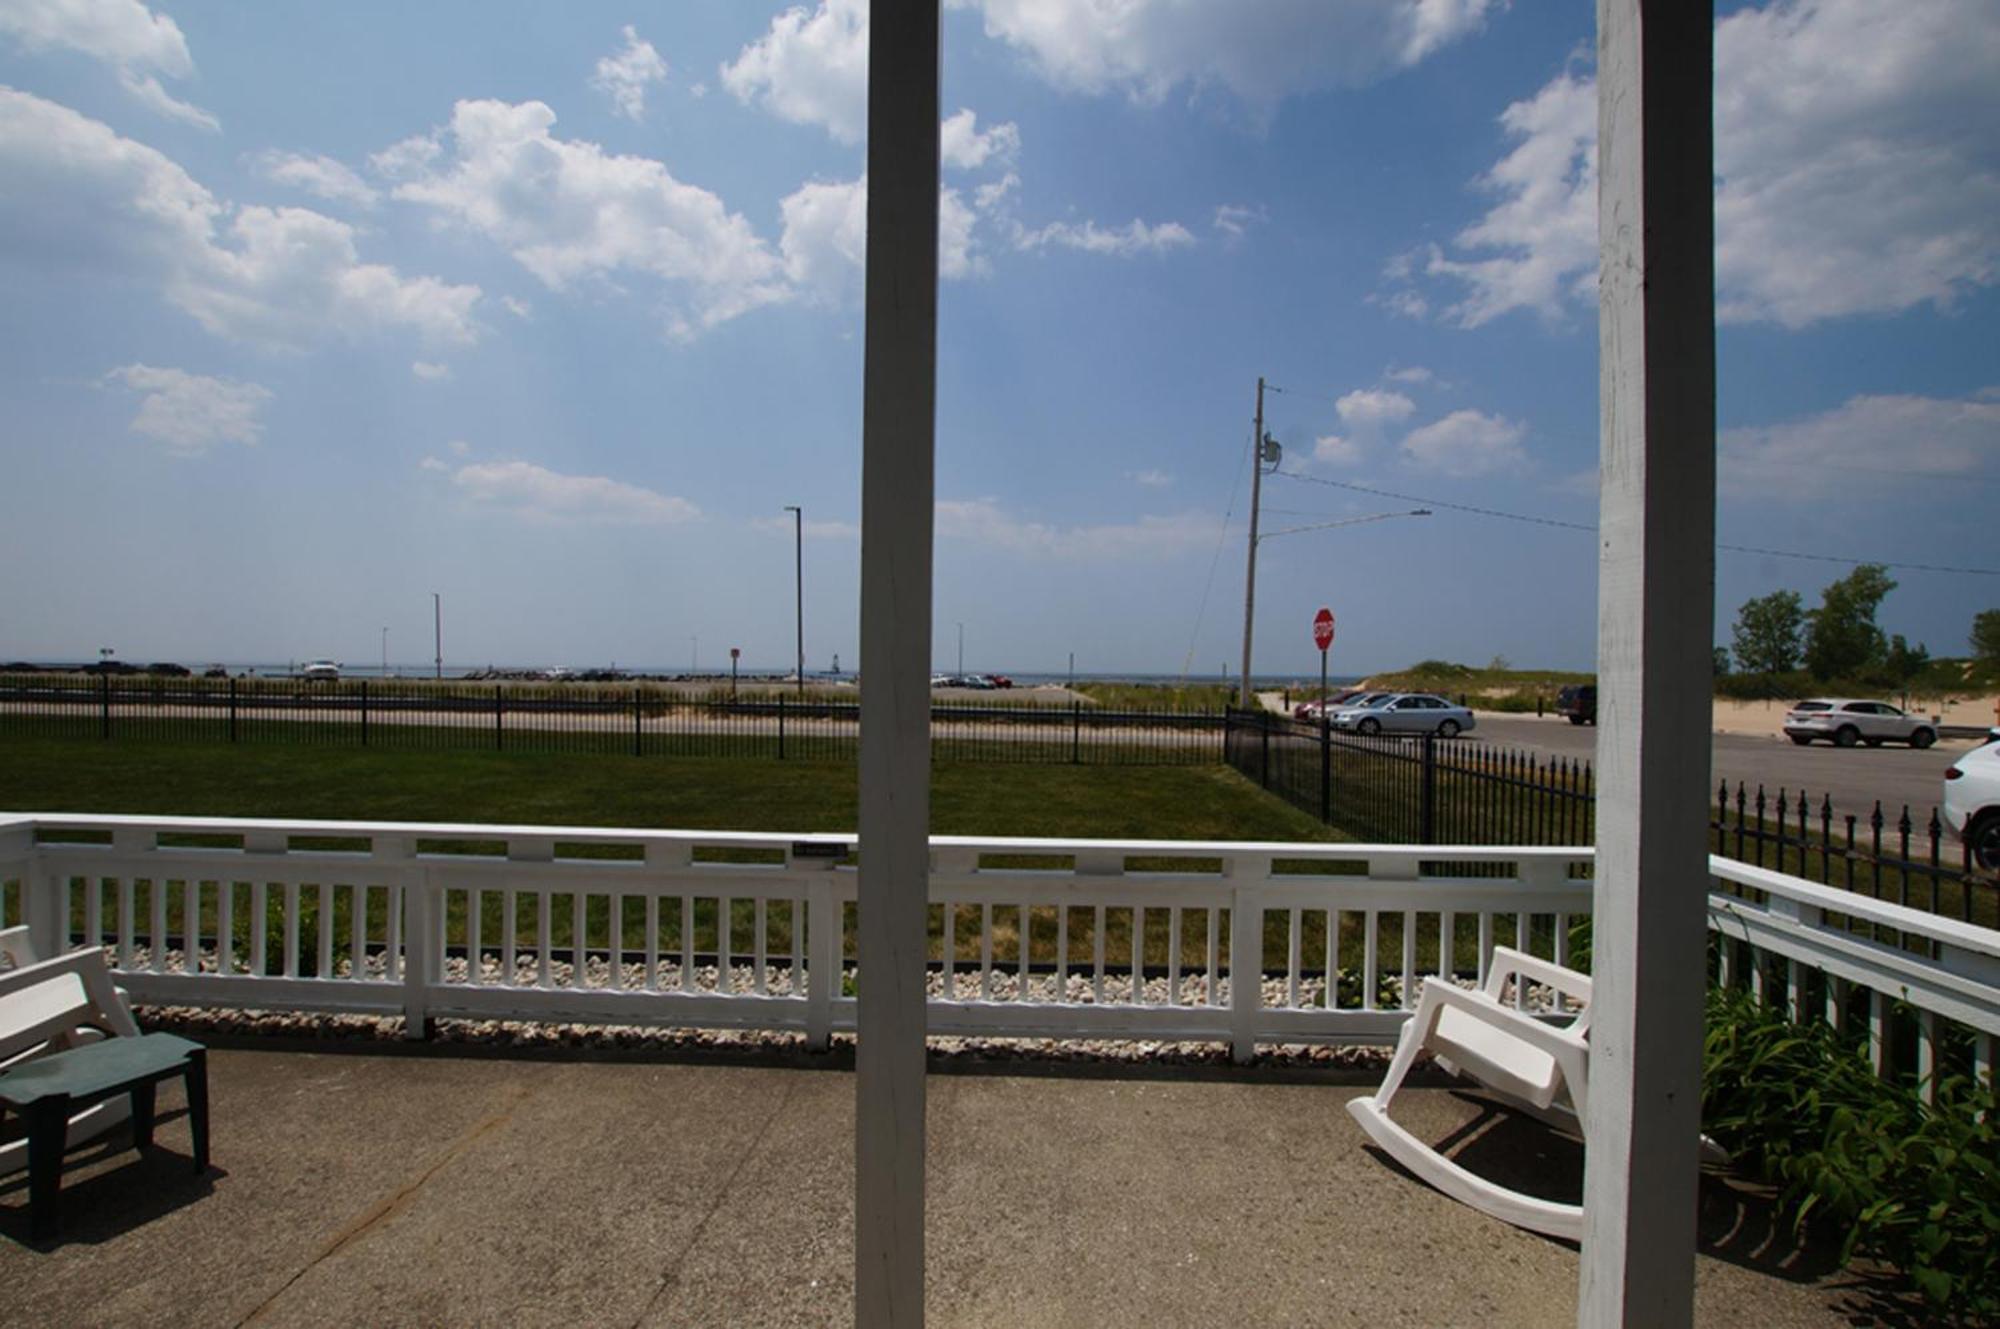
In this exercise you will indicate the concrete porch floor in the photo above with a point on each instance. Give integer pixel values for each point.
(384, 1189)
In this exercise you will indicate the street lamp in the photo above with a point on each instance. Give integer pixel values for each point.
(961, 650)
(437, 622)
(385, 652)
(799, 584)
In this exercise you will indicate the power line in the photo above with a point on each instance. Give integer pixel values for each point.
(1591, 528)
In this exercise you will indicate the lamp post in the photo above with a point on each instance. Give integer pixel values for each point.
(385, 652)
(1249, 597)
(961, 650)
(799, 586)
(437, 624)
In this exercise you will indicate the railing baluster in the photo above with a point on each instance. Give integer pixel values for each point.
(357, 964)
(985, 951)
(1293, 958)
(1027, 921)
(156, 894)
(725, 926)
(1370, 971)
(1174, 955)
(291, 908)
(1097, 955)
(1062, 951)
(475, 906)
(510, 926)
(757, 983)
(615, 958)
(325, 969)
(1138, 955)
(687, 942)
(544, 937)
(1407, 922)
(1212, 959)
(579, 955)
(653, 942)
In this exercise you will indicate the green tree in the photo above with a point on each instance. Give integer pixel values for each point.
(1985, 639)
(1766, 635)
(1841, 637)
(1721, 660)
(1905, 661)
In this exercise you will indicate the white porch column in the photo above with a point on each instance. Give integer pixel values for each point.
(898, 427)
(1656, 592)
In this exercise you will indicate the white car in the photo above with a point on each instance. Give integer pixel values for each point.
(1844, 722)
(321, 669)
(1972, 801)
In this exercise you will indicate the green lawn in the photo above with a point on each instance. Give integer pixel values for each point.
(694, 793)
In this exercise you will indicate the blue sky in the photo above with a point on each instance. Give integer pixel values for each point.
(312, 311)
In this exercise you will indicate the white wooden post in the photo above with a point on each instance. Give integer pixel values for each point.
(1246, 952)
(898, 494)
(1656, 575)
(823, 961)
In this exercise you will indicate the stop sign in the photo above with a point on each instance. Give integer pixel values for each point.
(1323, 629)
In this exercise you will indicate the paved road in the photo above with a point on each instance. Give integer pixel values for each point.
(1855, 777)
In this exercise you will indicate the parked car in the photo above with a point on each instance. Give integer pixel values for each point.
(1310, 710)
(1844, 722)
(1972, 801)
(1578, 701)
(320, 669)
(1404, 713)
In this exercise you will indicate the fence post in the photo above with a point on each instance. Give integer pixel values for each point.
(364, 712)
(781, 727)
(823, 961)
(420, 954)
(1427, 795)
(232, 709)
(104, 696)
(638, 750)
(498, 724)
(1246, 966)
(1325, 768)
(1075, 732)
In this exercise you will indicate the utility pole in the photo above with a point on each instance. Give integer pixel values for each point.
(385, 652)
(1257, 445)
(799, 585)
(961, 650)
(437, 626)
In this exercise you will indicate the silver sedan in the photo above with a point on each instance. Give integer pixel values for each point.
(1405, 713)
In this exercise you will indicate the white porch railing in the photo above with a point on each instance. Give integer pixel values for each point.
(1796, 941)
(719, 929)
(755, 931)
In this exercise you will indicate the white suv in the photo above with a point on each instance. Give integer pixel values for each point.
(1972, 801)
(1844, 723)
(320, 669)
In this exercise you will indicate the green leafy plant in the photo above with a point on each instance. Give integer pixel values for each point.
(1913, 1184)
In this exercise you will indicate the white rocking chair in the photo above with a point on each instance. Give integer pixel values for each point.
(1534, 1062)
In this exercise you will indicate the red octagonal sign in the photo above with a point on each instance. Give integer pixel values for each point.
(1323, 629)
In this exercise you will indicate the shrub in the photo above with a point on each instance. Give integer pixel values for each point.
(1913, 1184)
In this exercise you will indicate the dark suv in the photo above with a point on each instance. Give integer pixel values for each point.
(1578, 702)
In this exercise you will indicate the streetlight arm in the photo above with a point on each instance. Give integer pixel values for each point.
(1344, 521)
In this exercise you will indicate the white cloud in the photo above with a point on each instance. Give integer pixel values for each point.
(623, 76)
(1258, 52)
(982, 521)
(518, 308)
(1334, 450)
(320, 176)
(1409, 374)
(1866, 448)
(1234, 220)
(146, 90)
(825, 237)
(408, 159)
(1152, 479)
(535, 493)
(80, 196)
(568, 211)
(123, 34)
(1466, 443)
(1855, 163)
(811, 68)
(433, 464)
(191, 413)
(1371, 408)
(812, 529)
(1136, 237)
(964, 147)
(429, 371)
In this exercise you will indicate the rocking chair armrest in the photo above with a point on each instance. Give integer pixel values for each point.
(1509, 963)
(90, 968)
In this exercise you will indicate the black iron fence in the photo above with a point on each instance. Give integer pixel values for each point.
(636, 719)
(1426, 790)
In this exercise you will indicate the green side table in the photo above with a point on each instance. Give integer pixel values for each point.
(49, 1090)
